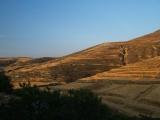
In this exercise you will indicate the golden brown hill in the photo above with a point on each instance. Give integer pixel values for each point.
(13, 61)
(149, 68)
(90, 61)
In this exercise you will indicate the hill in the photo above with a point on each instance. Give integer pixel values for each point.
(88, 62)
(140, 72)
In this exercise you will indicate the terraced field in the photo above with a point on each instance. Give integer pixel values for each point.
(149, 68)
(131, 99)
(132, 89)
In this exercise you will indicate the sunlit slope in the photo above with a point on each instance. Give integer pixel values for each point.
(69, 68)
(90, 61)
(149, 68)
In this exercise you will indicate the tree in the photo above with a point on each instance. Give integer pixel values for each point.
(5, 83)
(36, 104)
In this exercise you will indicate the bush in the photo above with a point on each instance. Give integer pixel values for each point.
(82, 104)
(46, 105)
(5, 85)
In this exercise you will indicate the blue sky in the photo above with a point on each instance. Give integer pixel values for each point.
(41, 28)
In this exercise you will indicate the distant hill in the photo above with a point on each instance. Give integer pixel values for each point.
(8, 61)
(88, 62)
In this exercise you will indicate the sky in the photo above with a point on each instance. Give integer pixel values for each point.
(54, 28)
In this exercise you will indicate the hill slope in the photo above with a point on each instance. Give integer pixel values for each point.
(89, 62)
(149, 68)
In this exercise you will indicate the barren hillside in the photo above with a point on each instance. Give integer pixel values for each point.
(88, 62)
(149, 68)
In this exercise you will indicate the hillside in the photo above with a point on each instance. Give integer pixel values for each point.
(132, 89)
(8, 61)
(88, 62)
(143, 71)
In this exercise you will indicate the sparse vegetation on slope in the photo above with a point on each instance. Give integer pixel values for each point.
(149, 68)
(87, 62)
(38, 60)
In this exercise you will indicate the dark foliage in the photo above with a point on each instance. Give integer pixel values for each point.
(5, 85)
(35, 104)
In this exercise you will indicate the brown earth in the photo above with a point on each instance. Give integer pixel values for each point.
(149, 68)
(87, 62)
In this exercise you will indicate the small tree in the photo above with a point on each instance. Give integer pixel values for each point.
(5, 85)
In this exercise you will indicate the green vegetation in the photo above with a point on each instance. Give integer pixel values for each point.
(32, 103)
(5, 85)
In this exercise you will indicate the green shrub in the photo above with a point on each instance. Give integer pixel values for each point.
(46, 105)
(82, 104)
(5, 85)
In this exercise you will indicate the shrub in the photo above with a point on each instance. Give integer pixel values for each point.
(46, 105)
(82, 104)
(5, 85)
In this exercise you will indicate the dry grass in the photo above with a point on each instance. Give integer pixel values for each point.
(90, 61)
(131, 99)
